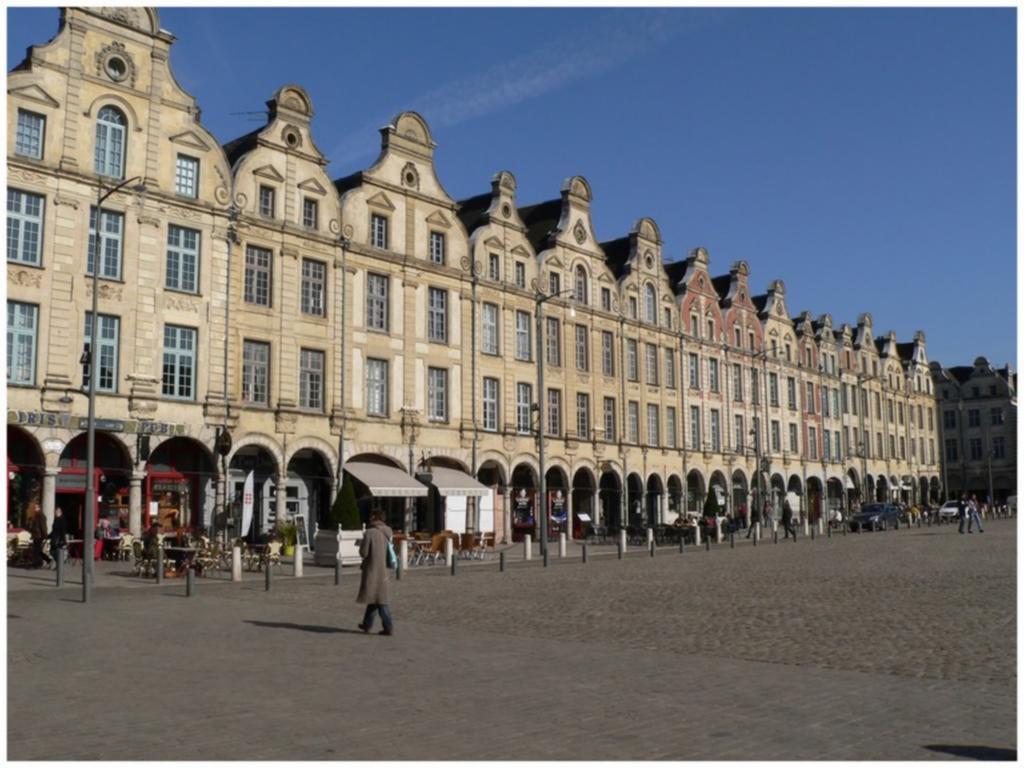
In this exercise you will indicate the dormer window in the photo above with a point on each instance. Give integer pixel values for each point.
(554, 283)
(580, 292)
(310, 213)
(494, 267)
(650, 304)
(111, 127)
(632, 307)
(668, 318)
(606, 299)
(378, 231)
(267, 201)
(711, 330)
(437, 247)
(694, 326)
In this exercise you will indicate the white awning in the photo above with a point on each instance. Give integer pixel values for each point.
(849, 483)
(453, 482)
(385, 481)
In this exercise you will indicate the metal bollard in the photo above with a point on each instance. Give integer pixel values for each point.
(403, 553)
(453, 561)
(398, 569)
(696, 536)
(829, 530)
(449, 550)
(297, 566)
(821, 526)
(545, 557)
(501, 561)
(650, 546)
(236, 563)
(266, 577)
(622, 540)
(527, 547)
(732, 539)
(190, 581)
(776, 532)
(60, 566)
(159, 565)
(682, 545)
(337, 571)
(561, 545)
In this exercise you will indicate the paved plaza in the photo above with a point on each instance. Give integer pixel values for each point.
(898, 645)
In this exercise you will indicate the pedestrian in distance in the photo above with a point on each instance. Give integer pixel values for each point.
(373, 582)
(973, 517)
(767, 514)
(58, 534)
(755, 518)
(961, 511)
(37, 528)
(787, 520)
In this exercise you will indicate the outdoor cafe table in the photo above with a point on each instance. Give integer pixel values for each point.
(110, 547)
(183, 556)
(75, 549)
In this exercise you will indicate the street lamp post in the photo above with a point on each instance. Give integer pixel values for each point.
(90, 480)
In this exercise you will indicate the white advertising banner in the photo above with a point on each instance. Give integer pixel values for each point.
(247, 503)
(455, 514)
(485, 512)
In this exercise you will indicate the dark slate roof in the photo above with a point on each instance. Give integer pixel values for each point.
(243, 144)
(616, 254)
(541, 220)
(880, 342)
(905, 350)
(760, 301)
(961, 372)
(722, 283)
(473, 211)
(675, 271)
(345, 183)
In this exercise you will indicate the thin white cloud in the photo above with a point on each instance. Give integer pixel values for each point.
(608, 42)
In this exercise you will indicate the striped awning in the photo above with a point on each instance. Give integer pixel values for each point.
(452, 482)
(384, 481)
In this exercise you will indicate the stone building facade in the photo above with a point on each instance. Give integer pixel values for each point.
(978, 407)
(373, 319)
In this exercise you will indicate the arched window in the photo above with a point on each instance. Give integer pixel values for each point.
(580, 288)
(650, 304)
(110, 132)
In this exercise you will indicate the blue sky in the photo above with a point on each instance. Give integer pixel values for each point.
(865, 156)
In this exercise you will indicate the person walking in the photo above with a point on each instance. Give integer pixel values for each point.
(373, 582)
(961, 511)
(37, 528)
(58, 534)
(787, 520)
(767, 513)
(755, 519)
(973, 517)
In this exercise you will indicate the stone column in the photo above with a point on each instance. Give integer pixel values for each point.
(595, 509)
(506, 522)
(135, 504)
(281, 496)
(50, 494)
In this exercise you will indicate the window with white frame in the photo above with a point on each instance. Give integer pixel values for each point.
(310, 212)
(267, 201)
(651, 364)
(112, 224)
(520, 270)
(837, 450)
(523, 342)
(737, 382)
(376, 301)
(583, 415)
(791, 392)
(776, 436)
(632, 372)
(794, 439)
(494, 267)
(670, 426)
(179, 371)
(378, 231)
(182, 259)
(632, 307)
(826, 447)
(553, 342)
(812, 442)
(694, 370)
(582, 349)
(22, 329)
(437, 394)
(554, 413)
(580, 291)
(311, 379)
(28, 141)
(186, 176)
(376, 387)
(716, 430)
(437, 247)
(695, 428)
(609, 419)
(437, 315)
(810, 397)
(606, 299)
(489, 328)
(110, 141)
(713, 374)
(255, 372)
(773, 390)
(650, 304)
(670, 368)
(653, 424)
(524, 408)
(314, 286)
(258, 263)
(554, 283)
(633, 414)
(490, 402)
(738, 436)
(607, 353)
(106, 352)
(24, 227)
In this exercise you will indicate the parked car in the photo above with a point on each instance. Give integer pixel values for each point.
(875, 516)
(949, 510)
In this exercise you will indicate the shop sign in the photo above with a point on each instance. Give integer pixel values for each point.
(67, 421)
(172, 486)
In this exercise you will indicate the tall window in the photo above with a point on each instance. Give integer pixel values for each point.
(810, 397)
(651, 364)
(437, 249)
(520, 270)
(582, 349)
(523, 344)
(490, 403)
(554, 412)
(973, 416)
(606, 299)
(670, 426)
(29, 139)
(776, 436)
(311, 379)
(21, 342)
(632, 307)
(186, 176)
(633, 413)
(812, 442)
(489, 327)
(739, 439)
(182, 259)
(106, 352)
(695, 444)
(267, 201)
(791, 392)
(716, 430)
(995, 416)
(314, 281)
(713, 374)
(257, 275)
(437, 394)
(110, 133)
(310, 212)
(376, 301)
(631, 362)
(737, 382)
(609, 419)
(773, 389)
(494, 267)
(583, 416)
(554, 283)
(554, 341)
(668, 318)
(694, 371)
(826, 449)
(653, 423)
(794, 439)
(951, 449)
(580, 287)
(949, 419)
(524, 404)
(837, 451)
(650, 304)
(755, 390)
(998, 447)
(378, 231)
(110, 261)
(437, 315)
(376, 387)
(24, 225)
(255, 372)
(179, 362)
(670, 368)
(607, 353)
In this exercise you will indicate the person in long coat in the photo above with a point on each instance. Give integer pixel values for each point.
(373, 582)
(37, 527)
(787, 520)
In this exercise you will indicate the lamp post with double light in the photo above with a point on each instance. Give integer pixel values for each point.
(89, 355)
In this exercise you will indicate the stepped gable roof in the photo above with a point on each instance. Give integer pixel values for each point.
(236, 148)
(473, 211)
(721, 285)
(541, 222)
(346, 183)
(616, 254)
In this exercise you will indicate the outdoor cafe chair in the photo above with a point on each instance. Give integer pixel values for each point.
(436, 550)
(124, 548)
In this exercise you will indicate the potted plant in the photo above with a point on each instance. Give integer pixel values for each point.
(343, 518)
(287, 533)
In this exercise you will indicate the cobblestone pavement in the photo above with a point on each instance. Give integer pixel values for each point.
(897, 645)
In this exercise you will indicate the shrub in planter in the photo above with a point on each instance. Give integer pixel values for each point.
(344, 512)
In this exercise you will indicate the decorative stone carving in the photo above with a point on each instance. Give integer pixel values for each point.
(410, 176)
(69, 201)
(182, 303)
(185, 213)
(579, 232)
(152, 221)
(26, 277)
(116, 63)
(334, 226)
(22, 175)
(348, 231)
(108, 292)
(123, 15)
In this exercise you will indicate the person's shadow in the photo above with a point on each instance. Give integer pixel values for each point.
(974, 751)
(304, 627)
